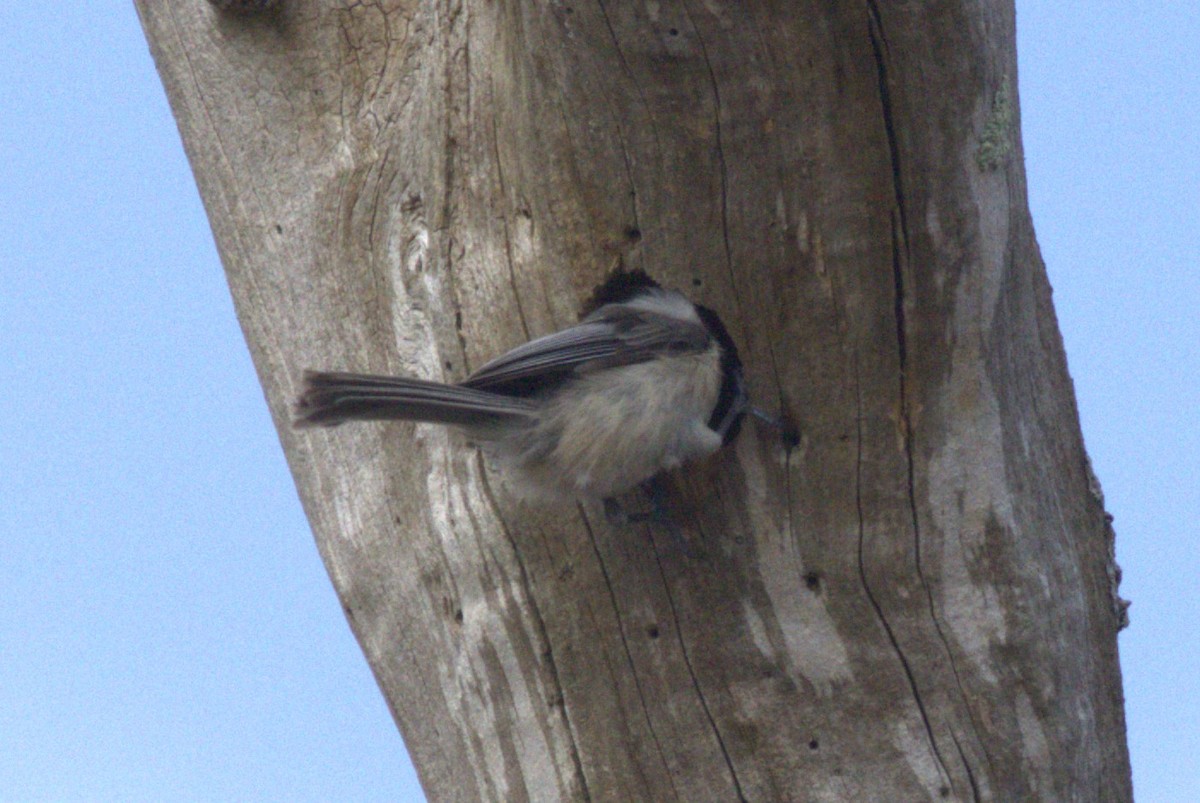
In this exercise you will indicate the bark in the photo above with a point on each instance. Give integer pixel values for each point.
(916, 602)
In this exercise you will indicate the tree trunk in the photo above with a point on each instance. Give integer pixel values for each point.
(916, 602)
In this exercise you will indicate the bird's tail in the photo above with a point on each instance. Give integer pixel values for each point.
(328, 399)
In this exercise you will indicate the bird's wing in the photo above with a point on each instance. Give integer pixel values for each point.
(610, 337)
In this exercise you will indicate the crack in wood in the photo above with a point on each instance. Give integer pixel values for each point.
(612, 595)
(723, 167)
(542, 631)
(454, 123)
(900, 258)
(966, 764)
(508, 251)
(625, 153)
(862, 575)
(687, 660)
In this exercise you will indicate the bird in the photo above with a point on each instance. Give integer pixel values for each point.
(645, 383)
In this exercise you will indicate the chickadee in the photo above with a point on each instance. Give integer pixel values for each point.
(644, 383)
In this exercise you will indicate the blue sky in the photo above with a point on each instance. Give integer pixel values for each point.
(168, 631)
(1111, 119)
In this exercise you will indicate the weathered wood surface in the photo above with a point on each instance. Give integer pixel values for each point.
(913, 603)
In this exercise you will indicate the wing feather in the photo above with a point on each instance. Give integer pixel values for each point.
(610, 337)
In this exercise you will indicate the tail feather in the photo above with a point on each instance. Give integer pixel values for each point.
(328, 399)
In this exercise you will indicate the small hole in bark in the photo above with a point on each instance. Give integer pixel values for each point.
(458, 616)
(633, 234)
(652, 631)
(814, 744)
(449, 365)
(697, 281)
(944, 791)
(813, 581)
(674, 32)
(278, 229)
(789, 432)
(458, 320)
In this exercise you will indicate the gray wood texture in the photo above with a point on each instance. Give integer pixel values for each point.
(916, 602)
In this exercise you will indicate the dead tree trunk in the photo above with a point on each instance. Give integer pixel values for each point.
(916, 602)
